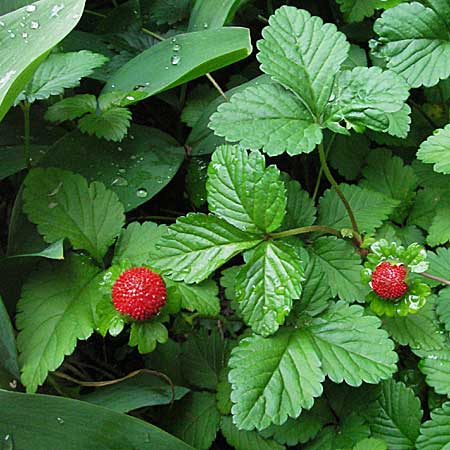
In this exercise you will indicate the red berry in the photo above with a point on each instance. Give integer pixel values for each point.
(388, 280)
(139, 293)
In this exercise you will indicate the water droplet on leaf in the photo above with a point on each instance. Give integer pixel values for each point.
(34, 25)
(30, 8)
(142, 193)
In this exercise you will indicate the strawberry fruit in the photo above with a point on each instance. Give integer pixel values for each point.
(388, 280)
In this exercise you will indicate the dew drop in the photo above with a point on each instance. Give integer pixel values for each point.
(34, 25)
(13, 384)
(56, 10)
(8, 442)
(119, 181)
(205, 25)
(121, 170)
(24, 35)
(22, 24)
(52, 205)
(2, 24)
(130, 97)
(176, 47)
(119, 149)
(280, 290)
(30, 8)
(60, 420)
(142, 193)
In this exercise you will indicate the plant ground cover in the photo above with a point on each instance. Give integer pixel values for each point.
(226, 224)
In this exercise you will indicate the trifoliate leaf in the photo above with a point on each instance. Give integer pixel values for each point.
(146, 335)
(201, 298)
(351, 346)
(278, 384)
(58, 72)
(267, 284)
(195, 420)
(267, 117)
(363, 97)
(443, 307)
(302, 53)
(357, 10)
(202, 358)
(54, 311)
(435, 433)
(415, 41)
(63, 205)
(71, 108)
(439, 231)
(436, 150)
(197, 101)
(198, 244)
(242, 191)
(370, 208)
(395, 417)
(245, 440)
(341, 265)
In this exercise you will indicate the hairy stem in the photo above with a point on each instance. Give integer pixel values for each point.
(435, 278)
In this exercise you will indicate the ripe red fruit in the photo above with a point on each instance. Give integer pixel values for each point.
(388, 280)
(139, 293)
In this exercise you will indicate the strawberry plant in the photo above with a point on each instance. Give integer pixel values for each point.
(226, 224)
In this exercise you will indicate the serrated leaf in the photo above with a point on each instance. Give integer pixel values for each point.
(436, 150)
(58, 72)
(223, 395)
(267, 284)
(302, 53)
(369, 207)
(403, 235)
(435, 433)
(436, 366)
(443, 307)
(196, 420)
(400, 122)
(351, 346)
(245, 440)
(357, 10)
(341, 265)
(63, 205)
(197, 101)
(54, 311)
(439, 231)
(71, 108)
(427, 177)
(280, 125)
(8, 348)
(198, 244)
(278, 384)
(395, 417)
(242, 191)
(371, 444)
(415, 41)
(147, 335)
(169, 11)
(356, 57)
(424, 208)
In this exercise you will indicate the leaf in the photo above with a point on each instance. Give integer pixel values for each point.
(202, 298)
(435, 433)
(198, 244)
(356, 57)
(424, 208)
(414, 40)
(63, 205)
(341, 266)
(371, 444)
(242, 191)
(147, 335)
(136, 170)
(282, 381)
(439, 231)
(140, 391)
(196, 420)
(267, 284)
(197, 101)
(71, 108)
(269, 117)
(364, 97)
(370, 208)
(8, 350)
(51, 28)
(220, 47)
(168, 11)
(395, 417)
(436, 150)
(304, 54)
(212, 13)
(435, 366)
(54, 311)
(351, 346)
(357, 10)
(443, 307)
(245, 440)
(23, 421)
(58, 72)
(197, 174)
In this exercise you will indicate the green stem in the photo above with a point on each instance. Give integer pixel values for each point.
(319, 177)
(304, 230)
(333, 182)
(94, 13)
(152, 34)
(26, 106)
(435, 278)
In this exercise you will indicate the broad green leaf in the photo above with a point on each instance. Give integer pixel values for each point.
(341, 265)
(12, 158)
(245, 440)
(58, 72)
(436, 150)
(202, 298)
(415, 41)
(140, 391)
(436, 366)
(350, 345)
(267, 284)
(212, 13)
(363, 97)
(439, 264)
(177, 61)
(198, 244)
(435, 433)
(52, 251)
(71, 108)
(147, 335)
(78, 424)
(439, 231)
(46, 24)
(197, 101)
(8, 350)
(357, 10)
(63, 205)
(54, 311)
(304, 54)
(428, 178)
(356, 57)
(371, 444)
(136, 169)
(425, 205)
(443, 307)
(369, 207)
(395, 417)
(279, 383)
(270, 117)
(202, 358)
(242, 191)
(403, 235)
(223, 395)
(196, 420)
